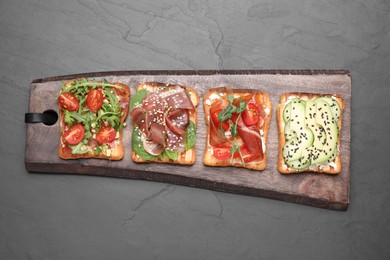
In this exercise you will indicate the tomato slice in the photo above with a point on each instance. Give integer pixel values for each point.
(95, 99)
(75, 134)
(251, 114)
(106, 135)
(214, 117)
(68, 101)
(222, 153)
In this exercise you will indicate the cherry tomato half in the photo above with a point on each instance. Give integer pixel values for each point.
(106, 135)
(95, 99)
(68, 101)
(222, 153)
(75, 134)
(214, 118)
(251, 114)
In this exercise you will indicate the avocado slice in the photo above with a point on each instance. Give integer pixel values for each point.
(294, 147)
(288, 108)
(287, 112)
(323, 149)
(297, 116)
(288, 132)
(302, 163)
(334, 106)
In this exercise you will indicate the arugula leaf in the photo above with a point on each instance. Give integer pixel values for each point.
(97, 151)
(138, 146)
(190, 135)
(138, 98)
(84, 84)
(67, 118)
(114, 102)
(78, 117)
(77, 149)
(87, 135)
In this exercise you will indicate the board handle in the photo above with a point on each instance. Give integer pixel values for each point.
(48, 117)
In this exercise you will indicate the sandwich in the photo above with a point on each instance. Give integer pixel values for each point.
(164, 123)
(237, 127)
(92, 115)
(309, 127)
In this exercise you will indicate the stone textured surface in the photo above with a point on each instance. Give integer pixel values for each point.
(81, 217)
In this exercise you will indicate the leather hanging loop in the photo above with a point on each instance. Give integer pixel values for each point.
(48, 117)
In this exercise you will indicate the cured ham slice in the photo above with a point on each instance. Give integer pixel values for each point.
(252, 140)
(177, 99)
(138, 116)
(175, 142)
(177, 121)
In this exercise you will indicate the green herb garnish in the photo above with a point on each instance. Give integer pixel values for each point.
(225, 115)
(138, 146)
(190, 135)
(138, 98)
(171, 154)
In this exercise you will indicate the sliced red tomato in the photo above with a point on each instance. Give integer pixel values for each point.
(222, 153)
(214, 117)
(106, 135)
(68, 101)
(251, 114)
(75, 134)
(95, 99)
(247, 156)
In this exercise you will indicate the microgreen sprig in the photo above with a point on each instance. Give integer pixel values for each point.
(226, 114)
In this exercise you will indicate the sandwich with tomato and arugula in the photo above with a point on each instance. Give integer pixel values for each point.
(164, 123)
(92, 115)
(237, 127)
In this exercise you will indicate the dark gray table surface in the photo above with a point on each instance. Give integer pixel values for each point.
(49, 216)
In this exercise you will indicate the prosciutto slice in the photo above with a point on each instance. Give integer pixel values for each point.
(252, 139)
(177, 99)
(138, 116)
(177, 121)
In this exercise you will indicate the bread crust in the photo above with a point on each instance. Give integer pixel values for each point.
(117, 153)
(282, 167)
(187, 157)
(261, 98)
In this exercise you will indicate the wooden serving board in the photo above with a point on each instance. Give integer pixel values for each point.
(319, 190)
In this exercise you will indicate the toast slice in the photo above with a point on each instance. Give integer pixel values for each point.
(263, 102)
(89, 147)
(332, 165)
(186, 157)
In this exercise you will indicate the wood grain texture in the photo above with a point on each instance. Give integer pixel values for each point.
(317, 190)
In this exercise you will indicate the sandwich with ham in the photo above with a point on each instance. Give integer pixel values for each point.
(164, 123)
